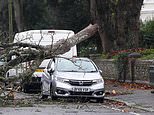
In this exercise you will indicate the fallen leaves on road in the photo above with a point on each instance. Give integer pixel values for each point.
(117, 103)
(115, 93)
(137, 86)
(128, 85)
(114, 88)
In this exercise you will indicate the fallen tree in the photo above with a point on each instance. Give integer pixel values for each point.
(37, 52)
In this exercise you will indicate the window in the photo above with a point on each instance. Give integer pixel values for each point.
(77, 65)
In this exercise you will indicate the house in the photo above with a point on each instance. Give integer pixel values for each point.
(147, 10)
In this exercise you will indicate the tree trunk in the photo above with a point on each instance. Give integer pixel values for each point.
(18, 11)
(106, 43)
(10, 20)
(122, 27)
(134, 22)
(127, 23)
(100, 12)
(64, 45)
(118, 22)
(3, 4)
(3, 21)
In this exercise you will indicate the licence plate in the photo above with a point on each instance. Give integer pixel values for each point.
(81, 89)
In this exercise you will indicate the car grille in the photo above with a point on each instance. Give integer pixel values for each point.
(80, 82)
(81, 93)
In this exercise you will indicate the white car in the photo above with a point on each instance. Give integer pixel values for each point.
(75, 77)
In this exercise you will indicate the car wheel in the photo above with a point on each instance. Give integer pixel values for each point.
(51, 93)
(26, 88)
(100, 100)
(44, 97)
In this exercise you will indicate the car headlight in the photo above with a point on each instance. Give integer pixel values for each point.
(62, 80)
(98, 81)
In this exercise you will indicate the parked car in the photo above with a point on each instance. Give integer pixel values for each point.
(75, 77)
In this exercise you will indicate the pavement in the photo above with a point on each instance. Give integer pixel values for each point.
(137, 98)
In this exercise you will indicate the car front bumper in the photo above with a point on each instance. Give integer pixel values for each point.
(67, 90)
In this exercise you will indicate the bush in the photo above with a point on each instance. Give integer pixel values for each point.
(146, 53)
(147, 31)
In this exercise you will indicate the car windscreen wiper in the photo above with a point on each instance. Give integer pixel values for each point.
(72, 71)
(68, 71)
(90, 71)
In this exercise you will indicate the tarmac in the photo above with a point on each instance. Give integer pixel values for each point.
(137, 98)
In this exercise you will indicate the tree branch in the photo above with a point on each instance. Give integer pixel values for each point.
(60, 47)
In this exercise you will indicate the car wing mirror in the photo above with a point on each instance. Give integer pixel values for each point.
(50, 71)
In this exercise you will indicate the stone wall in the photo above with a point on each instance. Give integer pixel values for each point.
(142, 69)
(109, 69)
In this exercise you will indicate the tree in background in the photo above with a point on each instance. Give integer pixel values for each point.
(36, 15)
(4, 20)
(118, 21)
(47, 14)
(147, 32)
(18, 14)
(69, 14)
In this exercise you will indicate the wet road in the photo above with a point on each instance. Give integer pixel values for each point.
(61, 109)
(67, 109)
(34, 106)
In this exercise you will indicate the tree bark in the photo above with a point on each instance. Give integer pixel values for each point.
(3, 15)
(127, 23)
(65, 45)
(134, 22)
(10, 12)
(100, 12)
(18, 11)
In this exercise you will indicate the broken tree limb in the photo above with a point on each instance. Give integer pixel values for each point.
(42, 52)
(20, 44)
(64, 45)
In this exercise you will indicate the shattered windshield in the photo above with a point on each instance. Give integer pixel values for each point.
(77, 65)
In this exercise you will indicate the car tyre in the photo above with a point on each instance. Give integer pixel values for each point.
(26, 88)
(100, 100)
(44, 97)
